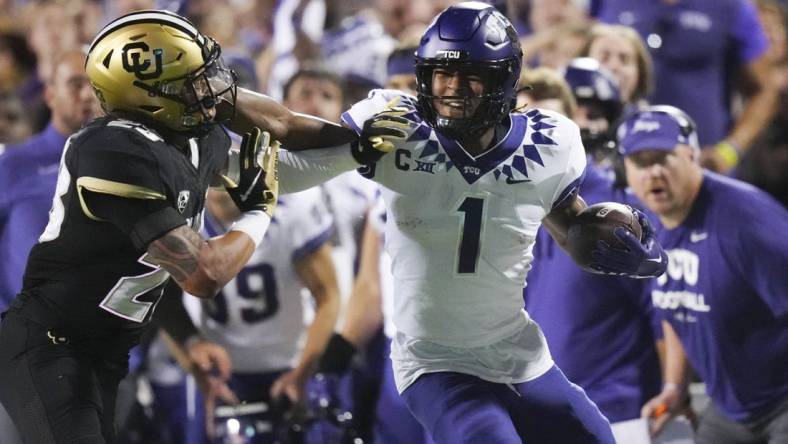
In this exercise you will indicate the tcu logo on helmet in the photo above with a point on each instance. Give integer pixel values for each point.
(449, 54)
(131, 61)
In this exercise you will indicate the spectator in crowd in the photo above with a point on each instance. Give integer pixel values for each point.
(545, 88)
(622, 52)
(599, 328)
(298, 27)
(699, 48)
(399, 67)
(28, 171)
(722, 300)
(17, 63)
(599, 105)
(766, 163)
(315, 91)
(14, 124)
(52, 30)
(553, 33)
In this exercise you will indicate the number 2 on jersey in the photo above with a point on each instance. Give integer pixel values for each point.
(472, 211)
(123, 299)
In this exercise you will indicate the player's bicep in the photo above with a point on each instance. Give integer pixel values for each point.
(178, 252)
(141, 219)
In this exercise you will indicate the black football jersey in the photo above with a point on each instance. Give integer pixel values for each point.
(90, 272)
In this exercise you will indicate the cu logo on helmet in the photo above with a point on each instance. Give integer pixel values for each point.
(133, 63)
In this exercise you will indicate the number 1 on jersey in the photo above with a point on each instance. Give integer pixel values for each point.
(472, 209)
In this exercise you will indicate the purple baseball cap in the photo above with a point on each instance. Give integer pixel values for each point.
(659, 127)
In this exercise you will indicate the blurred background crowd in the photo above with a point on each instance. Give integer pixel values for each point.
(724, 62)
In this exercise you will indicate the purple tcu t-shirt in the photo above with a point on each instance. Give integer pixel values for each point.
(726, 294)
(696, 45)
(598, 328)
(28, 174)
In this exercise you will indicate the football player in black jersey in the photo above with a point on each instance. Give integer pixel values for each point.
(129, 199)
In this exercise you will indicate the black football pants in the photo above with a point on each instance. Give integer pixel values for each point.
(55, 392)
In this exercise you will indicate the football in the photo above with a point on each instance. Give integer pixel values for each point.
(597, 222)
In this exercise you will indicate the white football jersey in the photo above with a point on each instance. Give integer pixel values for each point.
(259, 315)
(460, 229)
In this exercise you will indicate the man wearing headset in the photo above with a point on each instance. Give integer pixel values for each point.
(723, 299)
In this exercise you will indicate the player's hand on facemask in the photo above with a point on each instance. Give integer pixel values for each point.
(381, 133)
(258, 184)
(639, 259)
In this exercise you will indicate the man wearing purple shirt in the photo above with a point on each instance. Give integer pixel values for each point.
(698, 47)
(28, 171)
(724, 298)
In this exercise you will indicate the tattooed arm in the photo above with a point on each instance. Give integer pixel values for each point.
(201, 266)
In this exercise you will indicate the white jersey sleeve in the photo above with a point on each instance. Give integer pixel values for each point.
(574, 167)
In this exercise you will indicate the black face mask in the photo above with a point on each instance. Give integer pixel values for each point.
(209, 86)
(492, 106)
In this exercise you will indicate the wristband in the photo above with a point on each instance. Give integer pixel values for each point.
(337, 356)
(254, 224)
(728, 152)
(671, 386)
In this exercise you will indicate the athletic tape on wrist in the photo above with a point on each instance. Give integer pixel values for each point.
(253, 223)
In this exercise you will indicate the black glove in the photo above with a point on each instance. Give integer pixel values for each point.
(258, 183)
(381, 132)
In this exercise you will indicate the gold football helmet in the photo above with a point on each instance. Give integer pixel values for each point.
(157, 65)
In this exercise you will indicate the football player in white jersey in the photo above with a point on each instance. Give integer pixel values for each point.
(356, 250)
(258, 317)
(467, 184)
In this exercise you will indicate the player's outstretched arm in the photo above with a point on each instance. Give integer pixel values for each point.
(295, 130)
